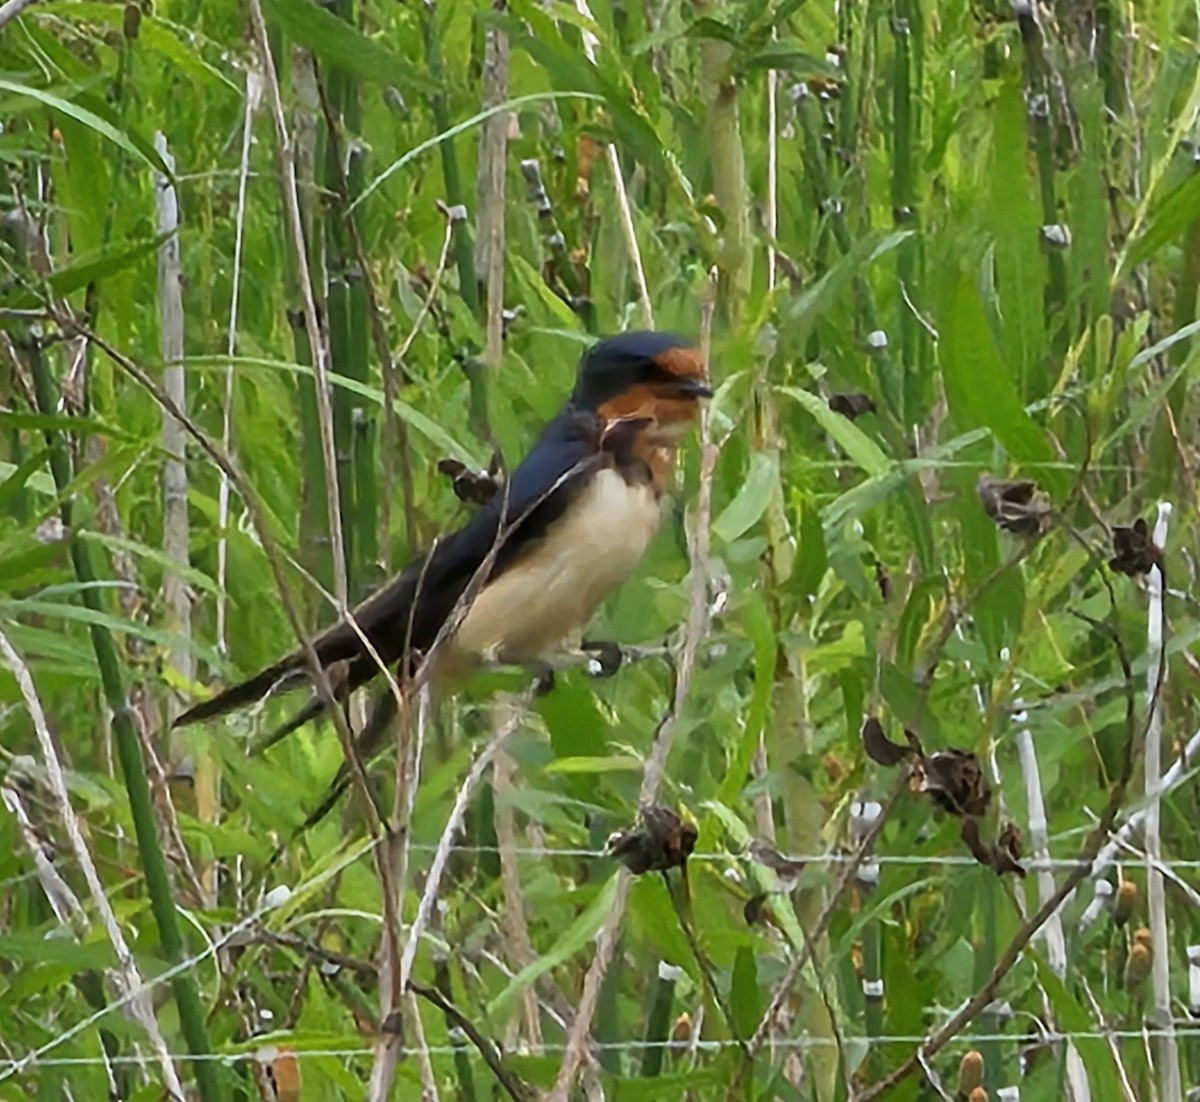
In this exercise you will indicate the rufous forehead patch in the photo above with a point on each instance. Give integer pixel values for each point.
(685, 362)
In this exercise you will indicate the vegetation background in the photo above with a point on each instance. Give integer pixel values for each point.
(925, 239)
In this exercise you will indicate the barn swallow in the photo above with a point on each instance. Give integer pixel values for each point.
(567, 529)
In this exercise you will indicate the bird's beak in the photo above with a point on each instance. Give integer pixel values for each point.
(690, 389)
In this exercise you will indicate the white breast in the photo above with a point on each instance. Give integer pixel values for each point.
(558, 586)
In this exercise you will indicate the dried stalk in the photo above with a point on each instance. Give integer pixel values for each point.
(1056, 945)
(493, 158)
(1160, 976)
(389, 1047)
(176, 531)
(623, 205)
(697, 625)
(254, 90)
(520, 948)
(316, 338)
(275, 562)
(131, 980)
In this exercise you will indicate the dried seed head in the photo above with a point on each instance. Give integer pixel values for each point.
(1126, 901)
(852, 405)
(1135, 550)
(1137, 965)
(660, 840)
(970, 1072)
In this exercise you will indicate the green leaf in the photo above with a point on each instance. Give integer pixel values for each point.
(1016, 227)
(788, 55)
(152, 554)
(62, 422)
(751, 501)
(755, 621)
(116, 624)
(81, 272)
(744, 1002)
(573, 939)
(37, 948)
(1072, 1017)
(708, 27)
(459, 128)
(337, 42)
(979, 389)
(615, 763)
(14, 479)
(861, 449)
(424, 424)
(1171, 218)
(812, 562)
(136, 147)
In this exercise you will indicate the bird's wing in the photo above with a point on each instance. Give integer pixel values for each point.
(411, 609)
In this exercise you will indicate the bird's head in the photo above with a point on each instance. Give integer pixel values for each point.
(643, 375)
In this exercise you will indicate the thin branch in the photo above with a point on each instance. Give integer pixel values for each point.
(508, 1079)
(454, 822)
(389, 1047)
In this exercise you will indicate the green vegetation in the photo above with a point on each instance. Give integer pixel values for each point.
(963, 241)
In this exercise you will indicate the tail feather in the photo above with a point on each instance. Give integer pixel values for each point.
(245, 692)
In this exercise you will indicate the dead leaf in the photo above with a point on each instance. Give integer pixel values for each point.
(1012, 506)
(881, 749)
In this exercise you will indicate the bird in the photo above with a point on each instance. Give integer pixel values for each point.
(565, 531)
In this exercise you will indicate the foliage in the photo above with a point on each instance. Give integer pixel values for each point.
(981, 256)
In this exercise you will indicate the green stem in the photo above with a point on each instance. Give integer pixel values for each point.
(1037, 79)
(463, 247)
(658, 1022)
(462, 1059)
(728, 167)
(364, 451)
(340, 341)
(903, 201)
(129, 751)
